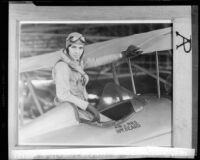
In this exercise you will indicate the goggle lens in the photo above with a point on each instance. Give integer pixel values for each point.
(75, 38)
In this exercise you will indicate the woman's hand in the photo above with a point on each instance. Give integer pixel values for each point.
(131, 51)
(94, 112)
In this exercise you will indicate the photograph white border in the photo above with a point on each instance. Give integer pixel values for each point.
(136, 13)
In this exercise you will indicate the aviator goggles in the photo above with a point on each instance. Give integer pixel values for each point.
(76, 37)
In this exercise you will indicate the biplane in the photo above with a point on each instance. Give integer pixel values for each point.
(127, 118)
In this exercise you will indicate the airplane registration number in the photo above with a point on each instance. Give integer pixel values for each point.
(127, 126)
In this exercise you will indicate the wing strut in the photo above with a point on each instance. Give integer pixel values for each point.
(30, 86)
(115, 74)
(157, 74)
(131, 73)
(151, 74)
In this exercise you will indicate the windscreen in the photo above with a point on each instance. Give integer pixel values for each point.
(113, 94)
(115, 102)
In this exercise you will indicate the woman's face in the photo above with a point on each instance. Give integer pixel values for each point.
(75, 51)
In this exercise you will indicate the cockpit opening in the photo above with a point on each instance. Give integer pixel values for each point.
(118, 103)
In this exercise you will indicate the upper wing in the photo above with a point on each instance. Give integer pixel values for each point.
(156, 40)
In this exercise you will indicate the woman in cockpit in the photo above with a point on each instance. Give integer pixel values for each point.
(71, 79)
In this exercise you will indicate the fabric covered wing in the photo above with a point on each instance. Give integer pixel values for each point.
(156, 40)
